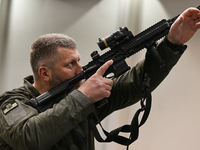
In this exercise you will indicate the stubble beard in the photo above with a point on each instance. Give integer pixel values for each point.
(56, 81)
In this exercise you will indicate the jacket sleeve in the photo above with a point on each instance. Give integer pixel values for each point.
(126, 89)
(22, 127)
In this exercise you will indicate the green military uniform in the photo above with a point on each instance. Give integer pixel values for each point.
(65, 126)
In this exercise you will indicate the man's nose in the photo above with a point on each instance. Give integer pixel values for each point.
(79, 69)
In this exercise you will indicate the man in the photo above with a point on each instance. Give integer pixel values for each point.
(54, 59)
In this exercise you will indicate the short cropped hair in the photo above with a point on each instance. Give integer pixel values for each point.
(44, 50)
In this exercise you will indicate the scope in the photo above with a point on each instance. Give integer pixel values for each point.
(115, 38)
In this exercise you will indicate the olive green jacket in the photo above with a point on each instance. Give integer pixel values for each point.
(65, 126)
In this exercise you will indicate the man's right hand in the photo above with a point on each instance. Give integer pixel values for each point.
(97, 87)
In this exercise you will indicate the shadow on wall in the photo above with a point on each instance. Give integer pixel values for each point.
(171, 6)
(47, 13)
(77, 9)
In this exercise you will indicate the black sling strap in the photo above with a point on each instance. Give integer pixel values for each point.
(133, 128)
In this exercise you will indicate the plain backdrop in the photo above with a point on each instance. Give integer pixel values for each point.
(174, 118)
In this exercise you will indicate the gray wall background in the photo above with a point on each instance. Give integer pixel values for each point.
(174, 119)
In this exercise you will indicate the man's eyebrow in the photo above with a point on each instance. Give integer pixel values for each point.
(73, 59)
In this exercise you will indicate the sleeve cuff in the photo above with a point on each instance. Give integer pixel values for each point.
(83, 100)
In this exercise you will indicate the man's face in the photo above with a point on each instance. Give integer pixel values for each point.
(67, 67)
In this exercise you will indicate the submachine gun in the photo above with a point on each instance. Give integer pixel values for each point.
(122, 44)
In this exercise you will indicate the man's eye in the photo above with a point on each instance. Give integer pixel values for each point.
(70, 65)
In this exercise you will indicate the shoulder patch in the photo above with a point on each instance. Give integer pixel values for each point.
(13, 111)
(9, 106)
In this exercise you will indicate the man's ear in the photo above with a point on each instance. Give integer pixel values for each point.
(44, 73)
